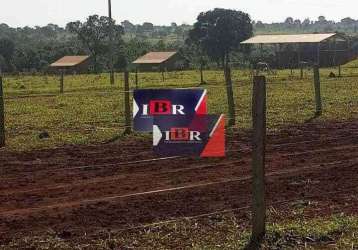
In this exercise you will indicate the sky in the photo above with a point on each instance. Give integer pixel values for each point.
(19, 13)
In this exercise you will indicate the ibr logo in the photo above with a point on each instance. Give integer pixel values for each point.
(162, 107)
(182, 134)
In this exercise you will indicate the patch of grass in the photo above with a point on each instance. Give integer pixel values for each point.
(218, 232)
(352, 64)
(91, 110)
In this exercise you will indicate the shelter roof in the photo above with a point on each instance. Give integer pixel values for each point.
(282, 39)
(69, 61)
(155, 57)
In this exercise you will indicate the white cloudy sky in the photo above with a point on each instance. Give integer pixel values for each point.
(41, 12)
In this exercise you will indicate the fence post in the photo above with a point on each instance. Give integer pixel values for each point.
(230, 93)
(127, 110)
(317, 90)
(258, 162)
(339, 70)
(201, 73)
(61, 81)
(163, 77)
(136, 78)
(301, 71)
(2, 114)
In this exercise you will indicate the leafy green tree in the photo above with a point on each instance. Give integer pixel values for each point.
(194, 53)
(94, 34)
(135, 48)
(219, 32)
(289, 21)
(7, 49)
(148, 27)
(128, 26)
(160, 46)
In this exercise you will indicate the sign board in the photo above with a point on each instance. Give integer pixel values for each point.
(196, 135)
(149, 103)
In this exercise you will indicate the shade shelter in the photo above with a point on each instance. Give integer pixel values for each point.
(323, 43)
(161, 60)
(66, 63)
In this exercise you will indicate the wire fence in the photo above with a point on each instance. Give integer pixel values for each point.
(289, 97)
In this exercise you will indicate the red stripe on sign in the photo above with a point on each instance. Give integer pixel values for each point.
(216, 144)
(202, 109)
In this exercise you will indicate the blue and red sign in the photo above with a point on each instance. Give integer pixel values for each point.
(149, 103)
(195, 135)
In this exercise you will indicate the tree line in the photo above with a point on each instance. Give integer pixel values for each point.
(322, 24)
(32, 49)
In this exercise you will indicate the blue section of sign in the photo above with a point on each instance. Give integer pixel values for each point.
(149, 103)
(183, 135)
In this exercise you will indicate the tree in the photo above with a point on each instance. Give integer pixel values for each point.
(160, 46)
(289, 21)
(136, 47)
(322, 19)
(297, 23)
(128, 26)
(348, 21)
(148, 27)
(7, 49)
(306, 22)
(260, 25)
(219, 32)
(94, 34)
(195, 54)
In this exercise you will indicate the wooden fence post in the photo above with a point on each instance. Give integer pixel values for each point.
(301, 71)
(2, 115)
(317, 90)
(258, 162)
(61, 81)
(201, 74)
(339, 70)
(230, 93)
(127, 110)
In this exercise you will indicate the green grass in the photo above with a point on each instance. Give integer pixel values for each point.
(91, 110)
(352, 64)
(216, 232)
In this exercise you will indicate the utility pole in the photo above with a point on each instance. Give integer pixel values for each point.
(111, 46)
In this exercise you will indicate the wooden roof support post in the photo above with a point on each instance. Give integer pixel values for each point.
(318, 54)
(299, 61)
(2, 114)
(136, 77)
(279, 53)
(62, 72)
(335, 58)
(277, 56)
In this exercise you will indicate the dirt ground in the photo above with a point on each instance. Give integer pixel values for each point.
(83, 189)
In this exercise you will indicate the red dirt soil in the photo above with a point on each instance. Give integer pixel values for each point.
(83, 189)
